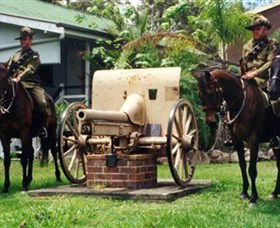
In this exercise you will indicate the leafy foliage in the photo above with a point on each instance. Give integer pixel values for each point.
(59, 109)
(225, 21)
(276, 35)
(176, 16)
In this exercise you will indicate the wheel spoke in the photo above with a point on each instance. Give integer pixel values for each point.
(181, 171)
(72, 160)
(185, 167)
(176, 147)
(69, 139)
(70, 150)
(177, 159)
(72, 129)
(176, 137)
(178, 128)
(188, 122)
(193, 131)
(184, 118)
(180, 120)
(78, 166)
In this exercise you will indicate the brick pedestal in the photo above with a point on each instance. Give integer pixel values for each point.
(132, 171)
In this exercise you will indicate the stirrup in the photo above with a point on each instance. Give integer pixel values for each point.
(43, 133)
(275, 143)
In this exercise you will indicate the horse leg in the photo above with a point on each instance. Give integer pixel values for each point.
(7, 162)
(254, 147)
(52, 141)
(45, 144)
(242, 164)
(276, 191)
(27, 160)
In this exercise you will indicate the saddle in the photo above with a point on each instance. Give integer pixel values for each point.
(29, 97)
(34, 105)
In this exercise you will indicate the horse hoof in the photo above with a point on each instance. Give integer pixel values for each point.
(244, 196)
(272, 196)
(252, 204)
(58, 180)
(5, 191)
(24, 190)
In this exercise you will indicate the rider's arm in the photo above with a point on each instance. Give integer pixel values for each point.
(263, 70)
(31, 67)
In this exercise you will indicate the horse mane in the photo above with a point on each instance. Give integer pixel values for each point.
(253, 93)
(221, 74)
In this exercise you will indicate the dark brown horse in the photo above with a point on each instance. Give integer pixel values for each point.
(249, 120)
(17, 121)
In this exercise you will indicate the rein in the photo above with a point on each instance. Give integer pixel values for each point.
(224, 107)
(4, 110)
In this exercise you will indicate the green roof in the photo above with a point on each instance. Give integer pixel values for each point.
(39, 10)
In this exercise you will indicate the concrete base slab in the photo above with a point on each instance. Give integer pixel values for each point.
(166, 190)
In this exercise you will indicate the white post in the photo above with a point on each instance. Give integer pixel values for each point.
(87, 76)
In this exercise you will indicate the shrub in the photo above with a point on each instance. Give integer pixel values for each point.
(59, 109)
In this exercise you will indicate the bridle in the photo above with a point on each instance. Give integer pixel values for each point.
(223, 107)
(3, 109)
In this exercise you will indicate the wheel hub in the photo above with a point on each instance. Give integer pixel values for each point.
(188, 141)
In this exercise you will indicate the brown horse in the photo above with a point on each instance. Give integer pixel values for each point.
(17, 121)
(249, 120)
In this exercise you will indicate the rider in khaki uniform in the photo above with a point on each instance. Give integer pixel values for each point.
(258, 53)
(257, 58)
(23, 66)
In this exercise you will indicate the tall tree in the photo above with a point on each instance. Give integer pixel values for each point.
(226, 21)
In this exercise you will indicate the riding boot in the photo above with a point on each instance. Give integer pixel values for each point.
(43, 133)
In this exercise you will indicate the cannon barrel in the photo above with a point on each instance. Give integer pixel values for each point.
(90, 115)
(132, 110)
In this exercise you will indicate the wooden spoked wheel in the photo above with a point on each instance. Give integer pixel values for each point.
(182, 142)
(71, 153)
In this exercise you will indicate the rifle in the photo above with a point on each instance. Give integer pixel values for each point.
(243, 66)
(16, 65)
(252, 55)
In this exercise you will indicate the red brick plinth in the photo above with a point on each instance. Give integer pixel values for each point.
(132, 171)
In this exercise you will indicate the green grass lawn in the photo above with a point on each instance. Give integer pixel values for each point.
(219, 206)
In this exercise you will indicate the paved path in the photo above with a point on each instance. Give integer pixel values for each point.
(166, 190)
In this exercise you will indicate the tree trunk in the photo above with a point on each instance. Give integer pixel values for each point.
(224, 55)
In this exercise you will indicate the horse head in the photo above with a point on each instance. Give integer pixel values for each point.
(3, 78)
(274, 79)
(207, 95)
(7, 89)
(218, 90)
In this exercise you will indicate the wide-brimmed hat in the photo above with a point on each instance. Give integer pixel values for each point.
(259, 21)
(24, 32)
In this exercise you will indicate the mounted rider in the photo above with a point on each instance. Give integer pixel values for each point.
(22, 66)
(257, 58)
(258, 53)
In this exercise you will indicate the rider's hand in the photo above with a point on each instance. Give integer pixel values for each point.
(17, 79)
(250, 75)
